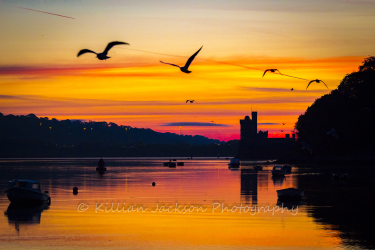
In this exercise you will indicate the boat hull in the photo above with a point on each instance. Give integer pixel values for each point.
(277, 173)
(234, 165)
(258, 168)
(290, 193)
(287, 169)
(172, 165)
(22, 195)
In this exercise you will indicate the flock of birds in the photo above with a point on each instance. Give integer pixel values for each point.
(185, 68)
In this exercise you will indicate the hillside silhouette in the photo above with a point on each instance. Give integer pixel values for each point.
(342, 123)
(30, 136)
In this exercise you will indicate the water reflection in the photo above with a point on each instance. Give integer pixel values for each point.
(278, 181)
(290, 204)
(345, 205)
(19, 214)
(249, 186)
(336, 206)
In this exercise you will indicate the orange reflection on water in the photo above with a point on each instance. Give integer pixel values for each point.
(104, 213)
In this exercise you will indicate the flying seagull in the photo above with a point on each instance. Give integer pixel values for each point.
(191, 101)
(103, 55)
(271, 70)
(318, 81)
(291, 89)
(189, 61)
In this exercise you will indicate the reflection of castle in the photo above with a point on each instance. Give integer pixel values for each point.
(257, 145)
(249, 186)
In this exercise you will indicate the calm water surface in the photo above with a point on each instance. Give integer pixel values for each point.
(200, 205)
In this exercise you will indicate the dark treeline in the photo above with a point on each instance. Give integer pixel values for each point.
(349, 111)
(30, 136)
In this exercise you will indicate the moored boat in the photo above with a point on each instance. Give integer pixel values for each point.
(290, 193)
(234, 163)
(180, 163)
(258, 168)
(278, 170)
(172, 164)
(26, 191)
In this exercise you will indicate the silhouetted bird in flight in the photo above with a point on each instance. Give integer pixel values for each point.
(318, 81)
(103, 55)
(333, 133)
(282, 130)
(191, 101)
(283, 123)
(291, 89)
(271, 70)
(189, 61)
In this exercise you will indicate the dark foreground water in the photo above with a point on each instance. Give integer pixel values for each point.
(200, 205)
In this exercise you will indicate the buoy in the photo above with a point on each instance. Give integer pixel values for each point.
(75, 190)
(153, 184)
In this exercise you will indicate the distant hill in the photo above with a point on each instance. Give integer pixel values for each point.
(30, 135)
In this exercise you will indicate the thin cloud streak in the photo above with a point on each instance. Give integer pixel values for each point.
(108, 103)
(268, 123)
(193, 124)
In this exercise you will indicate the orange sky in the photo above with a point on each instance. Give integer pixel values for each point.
(40, 73)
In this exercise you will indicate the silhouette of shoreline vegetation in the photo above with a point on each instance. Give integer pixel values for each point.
(30, 136)
(349, 110)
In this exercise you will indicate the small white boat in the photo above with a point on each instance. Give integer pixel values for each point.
(290, 193)
(26, 191)
(234, 163)
(278, 170)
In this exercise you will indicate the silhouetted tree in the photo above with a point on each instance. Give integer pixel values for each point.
(350, 110)
(24, 136)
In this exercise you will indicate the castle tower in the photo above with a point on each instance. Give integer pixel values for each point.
(254, 117)
(249, 127)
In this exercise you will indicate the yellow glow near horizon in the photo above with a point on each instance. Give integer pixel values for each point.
(152, 95)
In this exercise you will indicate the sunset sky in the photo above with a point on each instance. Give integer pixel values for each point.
(40, 72)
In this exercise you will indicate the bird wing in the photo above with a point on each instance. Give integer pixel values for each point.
(187, 101)
(310, 83)
(279, 72)
(83, 51)
(170, 64)
(191, 59)
(265, 72)
(324, 83)
(111, 44)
